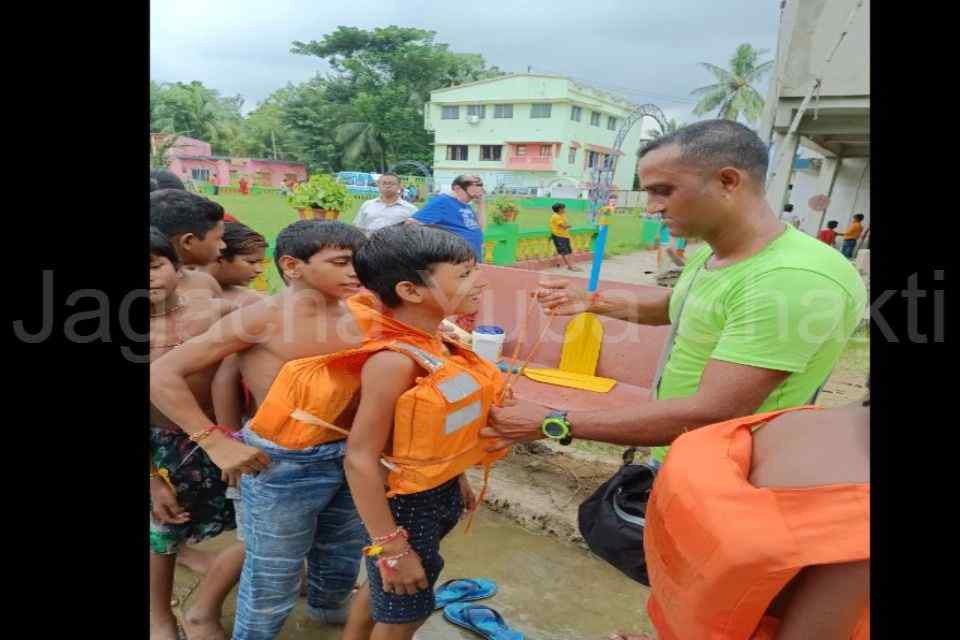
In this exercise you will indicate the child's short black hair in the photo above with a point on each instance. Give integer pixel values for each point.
(160, 246)
(403, 252)
(177, 212)
(239, 239)
(858, 217)
(167, 179)
(832, 224)
(304, 238)
(558, 207)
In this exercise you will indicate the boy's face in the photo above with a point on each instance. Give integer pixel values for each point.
(164, 278)
(455, 288)
(240, 270)
(330, 271)
(206, 251)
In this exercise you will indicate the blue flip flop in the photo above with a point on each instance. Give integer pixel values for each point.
(464, 590)
(480, 619)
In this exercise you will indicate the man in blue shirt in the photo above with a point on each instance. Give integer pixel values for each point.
(454, 213)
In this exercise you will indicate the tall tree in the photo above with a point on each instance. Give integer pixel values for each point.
(362, 141)
(733, 94)
(197, 110)
(382, 79)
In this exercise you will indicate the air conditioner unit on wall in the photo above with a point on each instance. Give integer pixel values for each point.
(473, 119)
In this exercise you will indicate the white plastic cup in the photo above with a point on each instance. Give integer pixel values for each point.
(488, 342)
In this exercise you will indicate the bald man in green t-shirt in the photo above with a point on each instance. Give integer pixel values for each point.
(760, 315)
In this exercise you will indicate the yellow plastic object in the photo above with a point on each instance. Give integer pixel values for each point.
(581, 344)
(568, 379)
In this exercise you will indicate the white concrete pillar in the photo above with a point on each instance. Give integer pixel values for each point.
(784, 150)
(825, 182)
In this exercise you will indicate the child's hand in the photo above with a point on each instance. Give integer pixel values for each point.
(469, 498)
(232, 478)
(166, 510)
(407, 577)
(233, 456)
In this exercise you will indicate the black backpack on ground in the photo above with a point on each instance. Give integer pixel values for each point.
(612, 520)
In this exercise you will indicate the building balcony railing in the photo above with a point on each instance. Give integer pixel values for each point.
(529, 163)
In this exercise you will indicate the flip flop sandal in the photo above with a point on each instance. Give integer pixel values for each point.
(480, 619)
(464, 590)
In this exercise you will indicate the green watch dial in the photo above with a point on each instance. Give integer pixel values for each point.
(556, 427)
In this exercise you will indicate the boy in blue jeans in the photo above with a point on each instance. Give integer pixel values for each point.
(299, 506)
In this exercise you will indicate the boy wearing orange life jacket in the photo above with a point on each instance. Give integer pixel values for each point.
(422, 404)
(759, 528)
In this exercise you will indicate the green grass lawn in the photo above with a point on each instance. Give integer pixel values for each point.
(268, 214)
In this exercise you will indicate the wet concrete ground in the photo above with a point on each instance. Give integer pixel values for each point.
(548, 589)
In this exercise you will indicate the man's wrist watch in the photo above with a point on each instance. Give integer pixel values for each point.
(556, 427)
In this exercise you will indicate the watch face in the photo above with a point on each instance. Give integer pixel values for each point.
(554, 429)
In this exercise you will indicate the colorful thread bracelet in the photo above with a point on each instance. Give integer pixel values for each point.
(374, 550)
(200, 435)
(164, 475)
(399, 531)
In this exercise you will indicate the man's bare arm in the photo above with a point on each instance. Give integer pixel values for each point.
(726, 391)
(648, 306)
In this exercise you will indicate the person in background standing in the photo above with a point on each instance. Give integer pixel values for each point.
(790, 217)
(386, 209)
(829, 235)
(851, 235)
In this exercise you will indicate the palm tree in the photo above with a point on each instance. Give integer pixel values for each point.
(362, 140)
(733, 95)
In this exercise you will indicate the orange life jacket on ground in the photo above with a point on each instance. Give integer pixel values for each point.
(436, 430)
(719, 550)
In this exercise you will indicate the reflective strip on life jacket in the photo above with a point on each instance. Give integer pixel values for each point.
(428, 361)
(462, 417)
(458, 387)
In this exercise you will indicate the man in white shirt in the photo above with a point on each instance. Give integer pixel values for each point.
(386, 210)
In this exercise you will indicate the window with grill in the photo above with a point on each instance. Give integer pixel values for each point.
(521, 149)
(450, 113)
(456, 152)
(540, 110)
(490, 152)
(611, 123)
(575, 113)
(572, 155)
(478, 110)
(595, 119)
(592, 159)
(546, 151)
(503, 111)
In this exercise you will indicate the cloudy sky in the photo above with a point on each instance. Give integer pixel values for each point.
(646, 51)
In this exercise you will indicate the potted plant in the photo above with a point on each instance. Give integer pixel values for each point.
(322, 195)
(504, 209)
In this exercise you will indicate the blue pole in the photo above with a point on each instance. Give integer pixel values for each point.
(598, 249)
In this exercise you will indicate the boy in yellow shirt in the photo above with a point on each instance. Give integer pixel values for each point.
(560, 233)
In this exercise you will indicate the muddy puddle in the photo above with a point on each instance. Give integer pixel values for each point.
(548, 589)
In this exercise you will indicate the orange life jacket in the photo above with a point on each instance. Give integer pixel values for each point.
(719, 550)
(436, 431)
